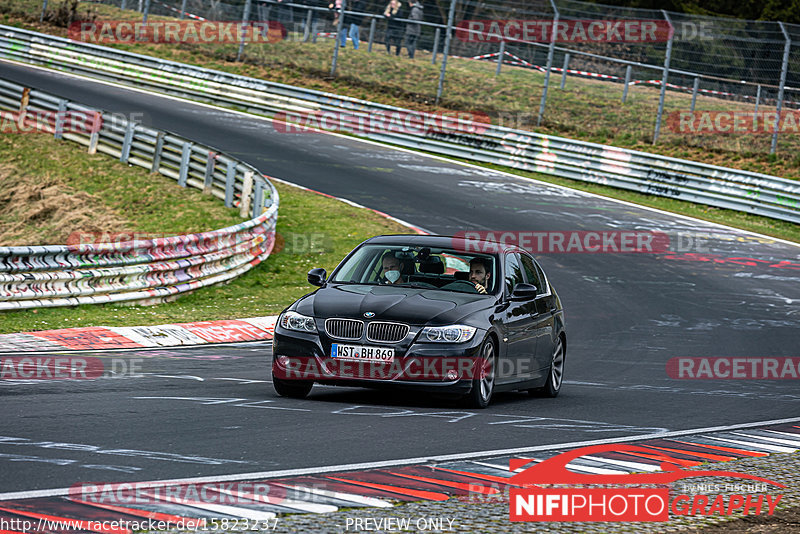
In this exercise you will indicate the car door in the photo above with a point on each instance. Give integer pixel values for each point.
(542, 314)
(518, 317)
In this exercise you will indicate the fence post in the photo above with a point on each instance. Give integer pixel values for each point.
(23, 107)
(758, 98)
(372, 23)
(307, 31)
(550, 52)
(247, 188)
(435, 45)
(258, 198)
(664, 78)
(184, 169)
(127, 141)
(245, 22)
(500, 57)
(336, 38)
(44, 10)
(97, 123)
(628, 73)
(145, 11)
(208, 179)
(60, 118)
(230, 183)
(695, 88)
(784, 67)
(447, 36)
(183, 9)
(564, 72)
(157, 152)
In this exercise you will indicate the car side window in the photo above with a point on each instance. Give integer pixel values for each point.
(531, 272)
(514, 274)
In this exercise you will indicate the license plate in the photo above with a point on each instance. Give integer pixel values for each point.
(358, 353)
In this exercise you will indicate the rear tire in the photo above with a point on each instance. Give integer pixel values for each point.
(555, 377)
(483, 385)
(295, 389)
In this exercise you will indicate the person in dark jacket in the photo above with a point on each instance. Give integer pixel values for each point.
(394, 27)
(413, 28)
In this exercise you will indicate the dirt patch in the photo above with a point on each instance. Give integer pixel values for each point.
(43, 210)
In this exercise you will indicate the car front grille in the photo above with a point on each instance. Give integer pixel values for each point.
(344, 328)
(386, 332)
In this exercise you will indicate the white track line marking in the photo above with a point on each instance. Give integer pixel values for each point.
(426, 459)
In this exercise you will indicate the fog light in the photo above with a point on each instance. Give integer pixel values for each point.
(452, 374)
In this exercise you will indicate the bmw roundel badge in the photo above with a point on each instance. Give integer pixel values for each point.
(369, 315)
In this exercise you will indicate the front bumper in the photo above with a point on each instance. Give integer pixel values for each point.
(430, 366)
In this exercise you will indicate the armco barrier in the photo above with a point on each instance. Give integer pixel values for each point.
(146, 270)
(749, 192)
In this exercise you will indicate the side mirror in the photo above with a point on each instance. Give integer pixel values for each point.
(524, 291)
(316, 277)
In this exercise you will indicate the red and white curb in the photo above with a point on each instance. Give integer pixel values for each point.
(136, 337)
(469, 477)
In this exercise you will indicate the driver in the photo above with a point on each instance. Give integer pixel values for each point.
(390, 269)
(480, 273)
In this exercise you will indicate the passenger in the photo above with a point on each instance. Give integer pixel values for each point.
(480, 272)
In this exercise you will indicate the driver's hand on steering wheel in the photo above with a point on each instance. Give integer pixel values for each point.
(480, 288)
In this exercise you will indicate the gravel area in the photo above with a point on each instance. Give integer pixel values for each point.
(490, 514)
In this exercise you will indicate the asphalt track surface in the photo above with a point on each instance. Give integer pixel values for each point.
(212, 411)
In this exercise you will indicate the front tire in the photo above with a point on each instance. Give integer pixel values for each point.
(295, 389)
(555, 377)
(483, 385)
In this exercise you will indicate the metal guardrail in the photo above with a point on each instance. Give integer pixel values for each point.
(750, 192)
(141, 270)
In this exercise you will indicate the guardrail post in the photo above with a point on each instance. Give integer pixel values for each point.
(230, 183)
(695, 88)
(500, 57)
(184, 170)
(435, 45)
(258, 199)
(127, 141)
(664, 78)
(758, 99)
(95, 137)
(23, 107)
(245, 22)
(157, 152)
(336, 38)
(550, 52)
(44, 10)
(60, 118)
(628, 73)
(564, 71)
(307, 30)
(781, 86)
(247, 188)
(372, 23)
(448, 33)
(208, 179)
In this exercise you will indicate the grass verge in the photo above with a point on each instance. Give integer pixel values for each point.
(327, 228)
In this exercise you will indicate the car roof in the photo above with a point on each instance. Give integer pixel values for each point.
(440, 241)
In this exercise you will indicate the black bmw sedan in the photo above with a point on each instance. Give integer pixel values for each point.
(441, 314)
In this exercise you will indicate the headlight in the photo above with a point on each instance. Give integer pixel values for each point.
(294, 321)
(447, 334)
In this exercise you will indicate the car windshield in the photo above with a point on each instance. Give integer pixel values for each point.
(416, 266)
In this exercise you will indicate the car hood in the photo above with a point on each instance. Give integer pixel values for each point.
(402, 304)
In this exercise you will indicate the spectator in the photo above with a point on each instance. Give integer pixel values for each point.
(351, 22)
(413, 28)
(394, 27)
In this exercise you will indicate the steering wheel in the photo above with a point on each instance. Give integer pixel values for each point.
(461, 285)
